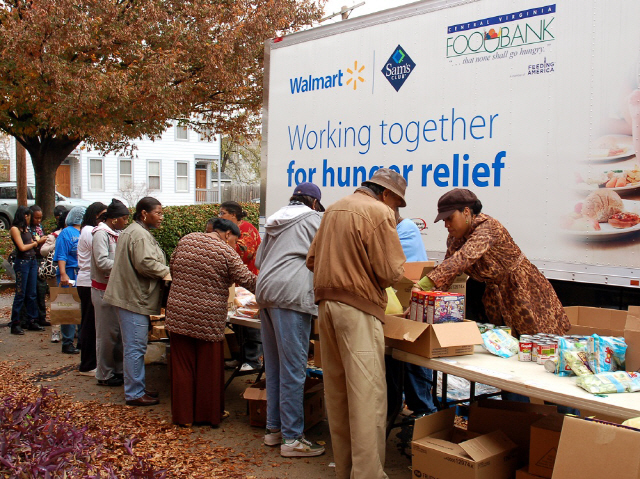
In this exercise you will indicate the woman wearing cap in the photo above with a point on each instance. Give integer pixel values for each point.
(516, 292)
(287, 307)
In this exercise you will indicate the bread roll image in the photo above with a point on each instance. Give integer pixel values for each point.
(602, 205)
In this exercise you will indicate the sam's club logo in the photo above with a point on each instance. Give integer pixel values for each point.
(398, 67)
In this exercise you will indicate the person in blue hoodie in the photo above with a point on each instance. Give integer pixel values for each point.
(284, 293)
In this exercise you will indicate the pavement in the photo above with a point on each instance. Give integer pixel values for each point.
(44, 362)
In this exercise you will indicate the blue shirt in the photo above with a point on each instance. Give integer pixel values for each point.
(411, 241)
(67, 250)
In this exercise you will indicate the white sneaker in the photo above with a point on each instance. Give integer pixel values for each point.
(91, 374)
(272, 438)
(300, 448)
(55, 336)
(247, 367)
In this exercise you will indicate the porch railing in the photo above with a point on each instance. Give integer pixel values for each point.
(204, 195)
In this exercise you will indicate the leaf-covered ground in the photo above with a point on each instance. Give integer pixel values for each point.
(47, 434)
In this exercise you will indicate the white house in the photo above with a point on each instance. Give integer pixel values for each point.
(176, 169)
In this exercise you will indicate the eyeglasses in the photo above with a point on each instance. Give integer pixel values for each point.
(222, 213)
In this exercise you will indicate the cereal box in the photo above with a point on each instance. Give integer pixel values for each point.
(442, 307)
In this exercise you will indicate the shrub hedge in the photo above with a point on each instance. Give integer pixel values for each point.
(182, 220)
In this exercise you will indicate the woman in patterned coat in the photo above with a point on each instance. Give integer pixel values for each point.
(203, 267)
(516, 293)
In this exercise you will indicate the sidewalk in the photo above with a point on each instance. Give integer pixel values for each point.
(44, 364)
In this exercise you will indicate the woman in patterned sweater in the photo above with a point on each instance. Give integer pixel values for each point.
(203, 267)
(516, 294)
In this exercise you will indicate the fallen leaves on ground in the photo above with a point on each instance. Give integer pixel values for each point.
(127, 436)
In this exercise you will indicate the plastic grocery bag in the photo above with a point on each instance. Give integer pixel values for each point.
(610, 383)
(393, 304)
(606, 353)
(500, 343)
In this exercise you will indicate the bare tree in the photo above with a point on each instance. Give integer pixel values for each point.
(133, 192)
(241, 159)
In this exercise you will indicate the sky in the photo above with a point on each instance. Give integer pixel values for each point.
(370, 6)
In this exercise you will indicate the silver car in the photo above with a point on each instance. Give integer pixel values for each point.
(9, 201)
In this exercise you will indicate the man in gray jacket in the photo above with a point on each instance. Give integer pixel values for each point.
(285, 294)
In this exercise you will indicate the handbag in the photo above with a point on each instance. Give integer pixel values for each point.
(47, 269)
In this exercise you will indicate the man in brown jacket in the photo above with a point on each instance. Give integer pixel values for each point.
(355, 255)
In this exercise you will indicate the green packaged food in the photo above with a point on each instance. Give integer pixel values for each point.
(578, 362)
(610, 383)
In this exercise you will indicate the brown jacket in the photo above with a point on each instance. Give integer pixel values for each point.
(356, 253)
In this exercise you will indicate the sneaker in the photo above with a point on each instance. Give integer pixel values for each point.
(55, 336)
(231, 364)
(91, 374)
(272, 438)
(300, 448)
(246, 367)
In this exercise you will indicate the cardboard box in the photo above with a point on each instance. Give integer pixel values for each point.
(441, 450)
(511, 417)
(595, 449)
(587, 321)
(158, 332)
(413, 272)
(545, 437)
(632, 338)
(431, 340)
(525, 474)
(610, 322)
(317, 354)
(256, 395)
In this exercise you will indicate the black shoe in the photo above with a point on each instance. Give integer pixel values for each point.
(35, 327)
(70, 349)
(44, 322)
(113, 381)
(17, 330)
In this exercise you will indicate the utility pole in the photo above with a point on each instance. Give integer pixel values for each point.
(344, 12)
(21, 173)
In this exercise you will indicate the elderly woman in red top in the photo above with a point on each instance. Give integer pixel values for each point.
(516, 294)
(247, 247)
(203, 267)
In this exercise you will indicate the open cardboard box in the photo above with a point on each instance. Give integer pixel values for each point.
(413, 272)
(256, 395)
(596, 449)
(609, 322)
(431, 340)
(442, 450)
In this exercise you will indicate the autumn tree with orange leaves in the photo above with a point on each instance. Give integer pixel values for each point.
(106, 72)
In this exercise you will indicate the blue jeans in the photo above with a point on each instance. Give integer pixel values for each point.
(135, 333)
(285, 342)
(417, 389)
(68, 330)
(26, 279)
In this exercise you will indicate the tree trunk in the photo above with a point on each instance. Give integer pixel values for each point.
(21, 174)
(46, 156)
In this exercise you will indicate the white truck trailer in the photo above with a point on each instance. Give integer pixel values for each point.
(534, 106)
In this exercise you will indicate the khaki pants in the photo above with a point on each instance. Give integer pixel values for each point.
(352, 345)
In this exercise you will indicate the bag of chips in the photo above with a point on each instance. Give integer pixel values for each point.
(578, 362)
(565, 344)
(610, 383)
(606, 353)
(500, 343)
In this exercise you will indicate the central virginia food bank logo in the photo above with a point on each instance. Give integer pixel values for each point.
(398, 67)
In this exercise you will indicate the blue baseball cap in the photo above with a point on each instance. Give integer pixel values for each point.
(311, 190)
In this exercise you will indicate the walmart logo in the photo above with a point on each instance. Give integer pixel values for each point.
(311, 83)
(398, 68)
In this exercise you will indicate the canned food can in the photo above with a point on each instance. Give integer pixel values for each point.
(506, 329)
(524, 354)
(535, 349)
(490, 325)
(551, 364)
(543, 352)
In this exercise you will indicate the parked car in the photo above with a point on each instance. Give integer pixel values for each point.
(9, 201)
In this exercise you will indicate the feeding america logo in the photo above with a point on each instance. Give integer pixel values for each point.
(398, 68)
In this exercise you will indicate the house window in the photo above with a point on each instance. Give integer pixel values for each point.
(126, 174)
(182, 132)
(182, 176)
(95, 174)
(153, 174)
(207, 132)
